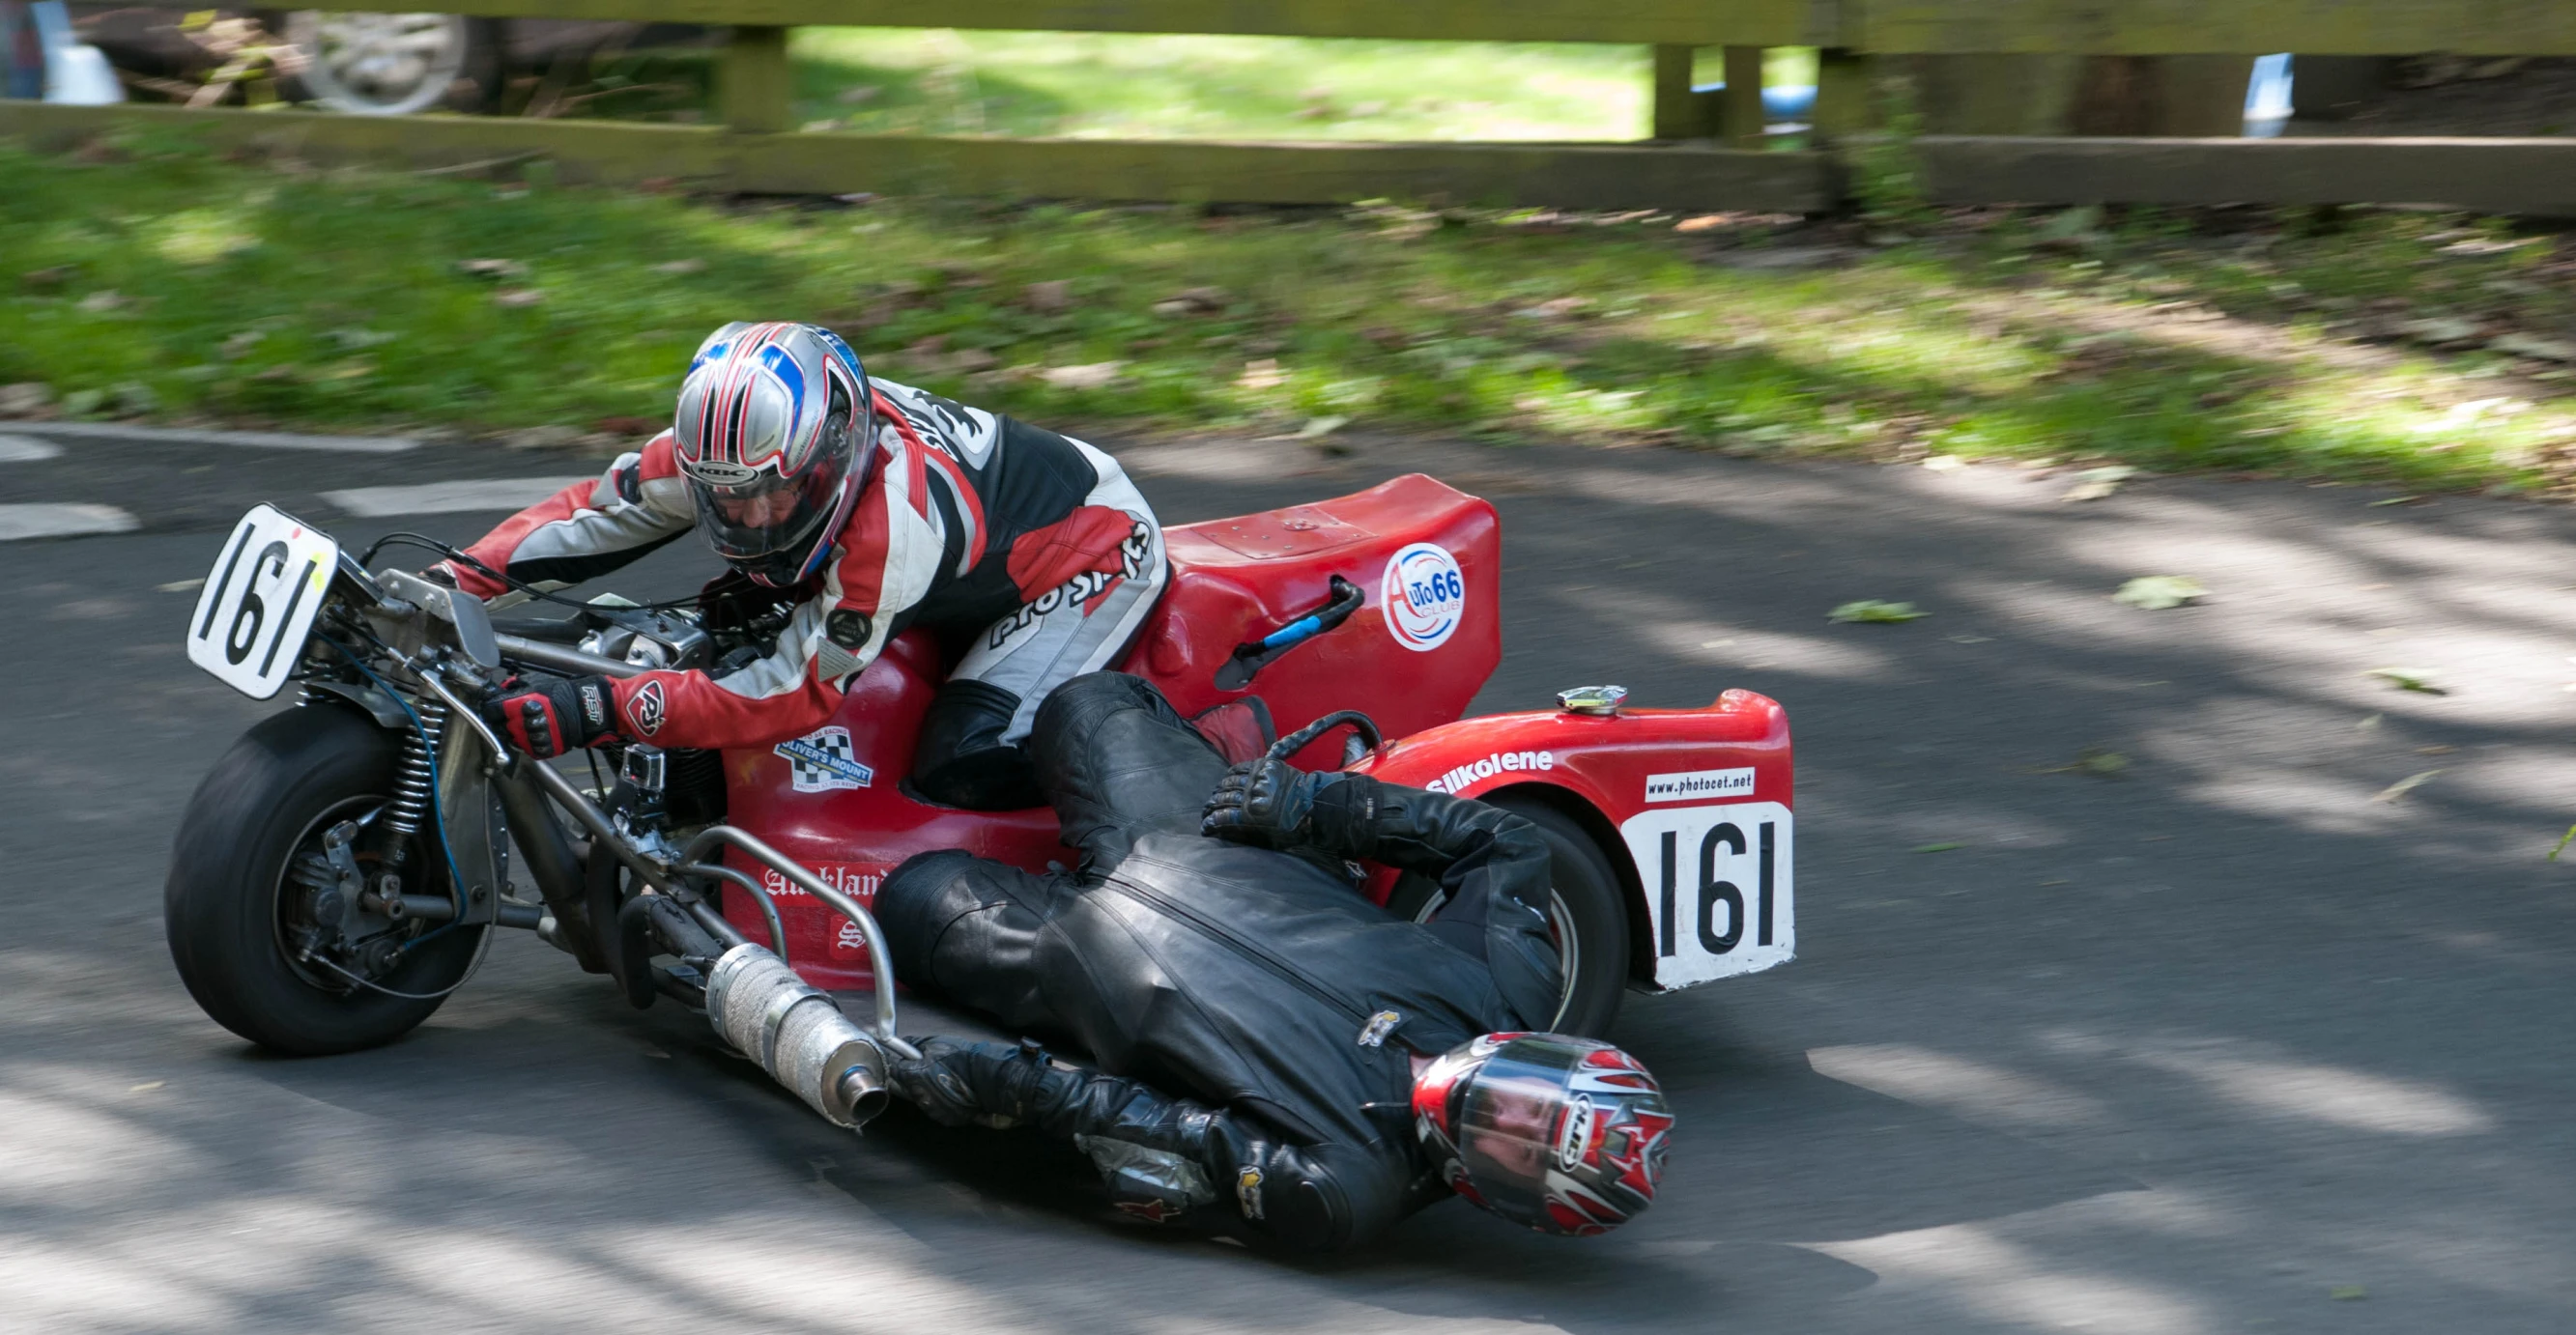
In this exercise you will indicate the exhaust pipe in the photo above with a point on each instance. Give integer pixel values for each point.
(797, 1034)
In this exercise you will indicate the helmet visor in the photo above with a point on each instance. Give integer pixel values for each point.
(1513, 1118)
(768, 514)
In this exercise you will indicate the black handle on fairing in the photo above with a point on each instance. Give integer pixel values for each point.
(1253, 655)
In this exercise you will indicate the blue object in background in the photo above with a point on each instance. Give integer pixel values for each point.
(22, 52)
(1789, 102)
(2267, 97)
(66, 69)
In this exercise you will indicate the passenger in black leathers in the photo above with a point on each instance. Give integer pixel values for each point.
(1256, 1022)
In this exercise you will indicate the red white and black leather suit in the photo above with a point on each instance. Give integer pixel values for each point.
(966, 521)
(1254, 1019)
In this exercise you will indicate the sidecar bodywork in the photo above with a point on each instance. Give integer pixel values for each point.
(1692, 807)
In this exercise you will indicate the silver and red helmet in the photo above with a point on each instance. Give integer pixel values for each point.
(774, 433)
(1563, 1135)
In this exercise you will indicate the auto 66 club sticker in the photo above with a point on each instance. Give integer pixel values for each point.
(1423, 596)
(1717, 880)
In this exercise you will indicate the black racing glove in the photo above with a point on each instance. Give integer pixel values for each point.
(553, 715)
(1265, 803)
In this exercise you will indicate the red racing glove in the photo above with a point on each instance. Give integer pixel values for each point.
(552, 716)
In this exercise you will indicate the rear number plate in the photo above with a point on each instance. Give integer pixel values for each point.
(259, 601)
(1718, 883)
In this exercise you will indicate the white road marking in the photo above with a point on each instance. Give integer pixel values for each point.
(259, 440)
(430, 498)
(25, 450)
(61, 521)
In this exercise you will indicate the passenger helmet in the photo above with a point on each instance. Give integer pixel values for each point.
(775, 434)
(1563, 1135)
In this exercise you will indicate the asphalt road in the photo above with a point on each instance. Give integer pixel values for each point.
(2220, 1043)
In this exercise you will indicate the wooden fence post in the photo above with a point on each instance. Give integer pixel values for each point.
(1741, 119)
(1845, 102)
(754, 85)
(1679, 112)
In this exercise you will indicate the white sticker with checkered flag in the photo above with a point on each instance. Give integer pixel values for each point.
(822, 760)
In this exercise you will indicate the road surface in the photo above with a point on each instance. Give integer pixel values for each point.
(2226, 1040)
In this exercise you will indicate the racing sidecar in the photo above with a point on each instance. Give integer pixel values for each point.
(344, 866)
(1671, 827)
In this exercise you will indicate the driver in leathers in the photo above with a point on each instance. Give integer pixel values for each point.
(872, 506)
(1277, 1057)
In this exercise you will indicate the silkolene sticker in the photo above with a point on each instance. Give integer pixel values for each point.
(1423, 596)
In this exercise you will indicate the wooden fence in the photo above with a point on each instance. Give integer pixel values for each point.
(1704, 155)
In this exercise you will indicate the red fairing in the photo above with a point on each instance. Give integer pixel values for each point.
(829, 798)
(1604, 760)
(1700, 802)
(834, 804)
(1235, 580)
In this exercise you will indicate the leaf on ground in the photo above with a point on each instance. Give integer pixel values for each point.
(2408, 679)
(2527, 345)
(1091, 375)
(2095, 483)
(2153, 593)
(1871, 609)
(2563, 841)
(2098, 761)
(1938, 848)
(2095, 760)
(2439, 329)
(2347, 1293)
(1052, 297)
(2404, 786)
(1321, 426)
(2370, 724)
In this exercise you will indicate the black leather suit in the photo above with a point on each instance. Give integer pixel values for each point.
(1251, 1014)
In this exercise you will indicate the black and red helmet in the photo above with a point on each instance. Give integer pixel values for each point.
(1563, 1135)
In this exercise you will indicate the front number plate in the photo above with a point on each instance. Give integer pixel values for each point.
(1718, 882)
(249, 625)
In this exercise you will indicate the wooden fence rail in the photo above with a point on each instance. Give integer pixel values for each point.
(1705, 156)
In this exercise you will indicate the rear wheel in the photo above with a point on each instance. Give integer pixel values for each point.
(1587, 916)
(249, 867)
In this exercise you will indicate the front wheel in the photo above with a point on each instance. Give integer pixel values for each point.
(249, 867)
(1587, 915)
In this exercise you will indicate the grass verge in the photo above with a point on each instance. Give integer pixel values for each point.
(142, 279)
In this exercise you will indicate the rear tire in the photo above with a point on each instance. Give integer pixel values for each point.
(1586, 904)
(266, 797)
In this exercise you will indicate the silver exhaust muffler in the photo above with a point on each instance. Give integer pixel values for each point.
(798, 1034)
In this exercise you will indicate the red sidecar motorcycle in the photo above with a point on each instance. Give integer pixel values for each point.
(342, 868)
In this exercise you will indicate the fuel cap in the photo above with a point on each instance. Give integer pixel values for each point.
(1598, 700)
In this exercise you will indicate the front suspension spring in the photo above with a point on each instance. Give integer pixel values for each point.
(414, 787)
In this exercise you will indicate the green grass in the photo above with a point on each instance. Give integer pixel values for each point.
(178, 286)
(1115, 85)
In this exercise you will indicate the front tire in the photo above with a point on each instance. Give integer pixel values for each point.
(1587, 914)
(263, 805)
